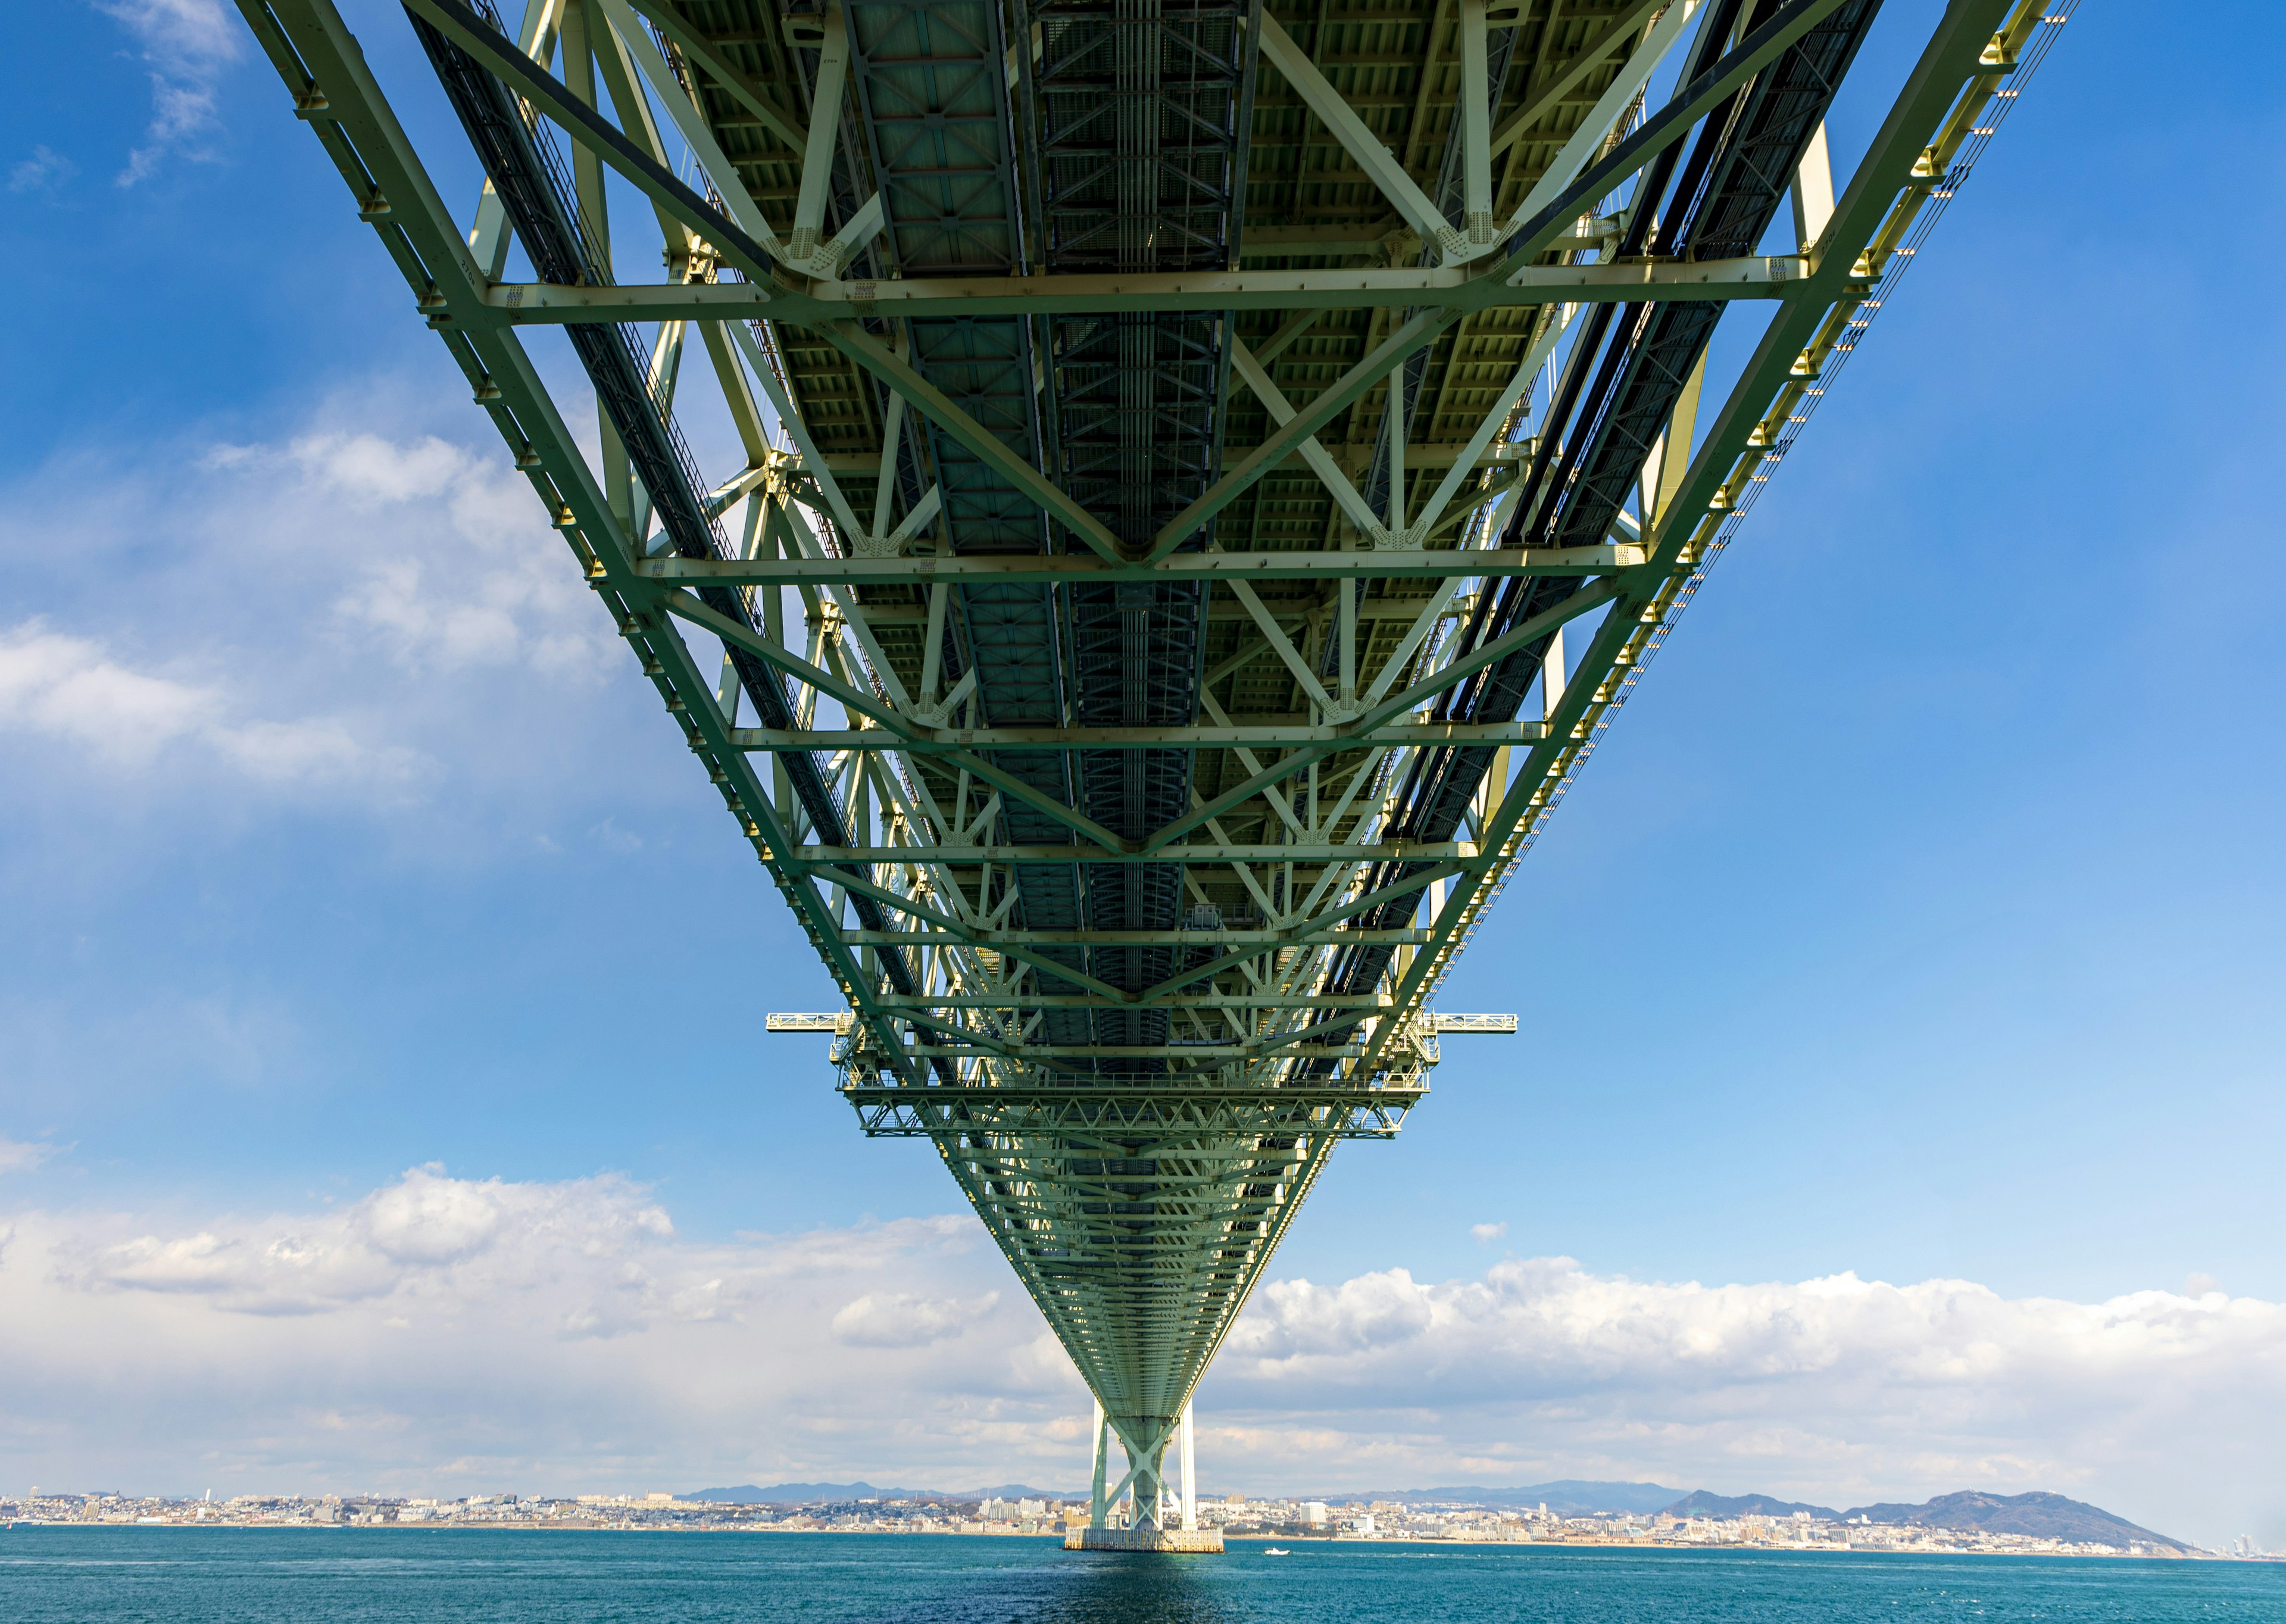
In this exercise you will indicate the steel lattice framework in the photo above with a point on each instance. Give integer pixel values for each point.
(1211, 472)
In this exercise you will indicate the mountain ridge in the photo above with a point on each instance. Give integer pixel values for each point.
(2039, 1513)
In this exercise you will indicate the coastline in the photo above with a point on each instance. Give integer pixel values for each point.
(1301, 1541)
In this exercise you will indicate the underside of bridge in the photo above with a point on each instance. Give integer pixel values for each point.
(1200, 477)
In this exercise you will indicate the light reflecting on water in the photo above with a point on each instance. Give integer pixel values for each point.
(396, 1576)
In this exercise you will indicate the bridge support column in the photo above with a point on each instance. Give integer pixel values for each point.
(1158, 1475)
(1190, 1478)
(1096, 1508)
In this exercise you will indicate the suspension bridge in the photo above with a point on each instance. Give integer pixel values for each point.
(1198, 478)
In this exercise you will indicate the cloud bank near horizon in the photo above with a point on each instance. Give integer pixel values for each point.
(449, 1334)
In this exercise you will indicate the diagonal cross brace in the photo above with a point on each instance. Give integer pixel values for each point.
(1364, 147)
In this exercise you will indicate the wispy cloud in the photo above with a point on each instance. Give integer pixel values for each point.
(74, 689)
(44, 170)
(186, 44)
(22, 1155)
(303, 614)
(496, 599)
(1487, 1233)
(566, 1335)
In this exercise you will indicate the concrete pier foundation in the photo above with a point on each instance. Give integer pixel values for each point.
(1202, 1540)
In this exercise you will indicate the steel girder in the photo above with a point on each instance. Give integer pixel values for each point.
(1212, 473)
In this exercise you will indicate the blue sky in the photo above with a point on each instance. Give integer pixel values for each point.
(1920, 921)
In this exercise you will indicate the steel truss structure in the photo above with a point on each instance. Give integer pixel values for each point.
(1211, 470)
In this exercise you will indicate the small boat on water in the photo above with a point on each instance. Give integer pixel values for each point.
(1274, 1551)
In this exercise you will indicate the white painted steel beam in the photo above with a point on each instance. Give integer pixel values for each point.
(1435, 565)
(938, 298)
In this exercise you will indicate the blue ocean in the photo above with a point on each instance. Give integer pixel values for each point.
(254, 1576)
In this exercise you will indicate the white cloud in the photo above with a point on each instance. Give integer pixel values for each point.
(342, 611)
(178, 31)
(187, 45)
(74, 689)
(1833, 1389)
(1487, 1233)
(22, 1155)
(46, 168)
(507, 594)
(566, 1335)
(55, 683)
(436, 556)
(896, 1320)
(560, 1332)
(425, 1232)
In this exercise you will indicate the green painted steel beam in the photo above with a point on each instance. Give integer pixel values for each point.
(1311, 852)
(977, 937)
(1395, 735)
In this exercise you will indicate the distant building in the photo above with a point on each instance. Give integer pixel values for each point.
(1314, 1513)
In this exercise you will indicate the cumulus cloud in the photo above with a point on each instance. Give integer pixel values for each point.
(1487, 1233)
(566, 1335)
(895, 1320)
(1836, 1388)
(529, 1331)
(425, 1234)
(186, 44)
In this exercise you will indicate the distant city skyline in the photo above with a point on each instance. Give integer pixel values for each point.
(1898, 1102)
(2031, 1525)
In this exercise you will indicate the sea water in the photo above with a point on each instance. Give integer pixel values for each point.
(382, 1575)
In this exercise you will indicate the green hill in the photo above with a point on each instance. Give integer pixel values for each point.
(2042, 1515)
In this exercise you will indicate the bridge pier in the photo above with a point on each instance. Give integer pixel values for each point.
(1144, 1524)
(1204, 1541)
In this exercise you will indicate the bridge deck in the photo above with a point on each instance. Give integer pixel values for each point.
(1211, 472)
